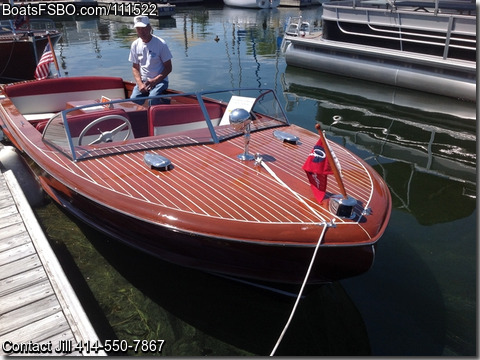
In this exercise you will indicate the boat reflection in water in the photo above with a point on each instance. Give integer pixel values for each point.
(408, 136)
(420, 296)
(221, 316)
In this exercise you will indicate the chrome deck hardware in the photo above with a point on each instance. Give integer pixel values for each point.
(240, 121)
(342, 207)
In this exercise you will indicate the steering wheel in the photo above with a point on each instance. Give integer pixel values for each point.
(106, 136)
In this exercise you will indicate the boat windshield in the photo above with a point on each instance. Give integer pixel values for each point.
(101, 127)
(35, 25)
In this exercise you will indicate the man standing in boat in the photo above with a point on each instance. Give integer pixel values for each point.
(151, 60)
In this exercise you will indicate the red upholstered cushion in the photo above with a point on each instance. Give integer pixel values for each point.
(62, 85)
(41, 125)
(175, 114)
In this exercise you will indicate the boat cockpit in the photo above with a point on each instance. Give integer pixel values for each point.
(89, 122)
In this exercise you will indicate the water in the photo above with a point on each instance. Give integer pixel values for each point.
(420, 296)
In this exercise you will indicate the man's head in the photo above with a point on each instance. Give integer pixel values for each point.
(141, 21)
(144, 30)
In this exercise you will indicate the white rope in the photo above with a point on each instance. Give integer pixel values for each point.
(301, 291)
(272, 173)
(324, 223)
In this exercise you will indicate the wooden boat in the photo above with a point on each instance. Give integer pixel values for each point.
(21, 48)
(253, 4)
(179, 179)
(428, 46)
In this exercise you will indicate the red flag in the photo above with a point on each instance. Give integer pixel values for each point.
(317, 169)
(43, 67)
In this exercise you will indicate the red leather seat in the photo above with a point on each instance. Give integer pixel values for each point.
(179, 114)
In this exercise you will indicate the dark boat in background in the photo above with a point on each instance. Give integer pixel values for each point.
(177, 181)
(22, 45)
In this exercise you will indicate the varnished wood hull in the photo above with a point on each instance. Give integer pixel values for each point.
(212, 211)
(257, 261)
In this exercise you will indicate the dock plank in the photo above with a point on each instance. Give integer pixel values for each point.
(13, 235)
(8, 210)
(5, 199)
(41, 330)
(37, 303)
(21, 317)
(22, 280)
(7, 218)
(14, 268)
(26, 296)
(16, 253)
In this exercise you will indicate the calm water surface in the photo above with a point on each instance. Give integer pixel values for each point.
(420, 296)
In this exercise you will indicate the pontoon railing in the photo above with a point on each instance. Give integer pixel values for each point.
(403, 33)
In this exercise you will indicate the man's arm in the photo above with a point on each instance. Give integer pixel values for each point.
(167, 69)
(138, 78)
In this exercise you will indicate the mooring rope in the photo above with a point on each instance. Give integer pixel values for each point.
(299, 296)
(258, 160)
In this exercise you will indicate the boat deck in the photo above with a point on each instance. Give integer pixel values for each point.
(38, 306)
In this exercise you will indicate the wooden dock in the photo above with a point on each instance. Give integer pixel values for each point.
(40, 313)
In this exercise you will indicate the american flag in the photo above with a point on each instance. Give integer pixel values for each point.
(43, 67)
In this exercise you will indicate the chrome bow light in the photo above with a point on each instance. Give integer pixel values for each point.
(342, 206)
(240, 121)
